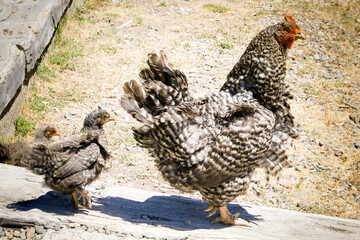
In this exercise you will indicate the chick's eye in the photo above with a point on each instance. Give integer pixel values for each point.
(286, 30)
(104, 116)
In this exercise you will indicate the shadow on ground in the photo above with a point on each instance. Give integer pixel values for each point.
(51, 202)
(175, 212)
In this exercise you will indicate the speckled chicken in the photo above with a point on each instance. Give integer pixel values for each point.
(71, 164)
(214, 144)
(17, 153)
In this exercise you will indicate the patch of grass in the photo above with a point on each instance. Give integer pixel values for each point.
(107, 49)
(23, 126)
(45, 73)
(68, 51)
(41, 105)
(109, 17)
(216, 8)
(224, 45)
(162, 4)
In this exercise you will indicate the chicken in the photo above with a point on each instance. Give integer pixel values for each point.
(16, 153)
(71, 164)
(213, 144)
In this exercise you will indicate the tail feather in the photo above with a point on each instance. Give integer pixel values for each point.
(129, 103)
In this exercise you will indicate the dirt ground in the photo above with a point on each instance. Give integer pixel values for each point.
(105, 43)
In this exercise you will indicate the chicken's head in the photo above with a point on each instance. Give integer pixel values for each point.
(288, 32)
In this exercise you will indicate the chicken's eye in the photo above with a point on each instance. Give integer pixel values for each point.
(104, 117)
(286, 30)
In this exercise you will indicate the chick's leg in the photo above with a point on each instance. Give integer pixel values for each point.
(227, 218)
(86, 199)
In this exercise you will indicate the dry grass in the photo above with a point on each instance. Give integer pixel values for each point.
(105, 44)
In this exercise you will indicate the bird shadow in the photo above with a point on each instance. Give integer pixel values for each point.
(180, 213)
(51, 202)
(176, 212)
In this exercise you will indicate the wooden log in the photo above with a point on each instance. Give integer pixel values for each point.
(24, 200)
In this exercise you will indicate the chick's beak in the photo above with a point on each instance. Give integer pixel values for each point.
(299, 35)
(109, 119)
(57, 134)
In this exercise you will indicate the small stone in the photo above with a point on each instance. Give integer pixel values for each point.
(90, 229)
(106, 229)
(302, 204)
(23, 235)
(37, 237)
(84, 227)
(16, 233)
(2, 233)
(73, 113)
(30, 233)
(338, 153)
(150, 26)
(357, 144)
(73, 225)
(57, 227)
(145, 217)
(188, 223)
(298, 168)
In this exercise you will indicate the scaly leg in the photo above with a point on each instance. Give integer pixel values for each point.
(86, 200)
(227, 218)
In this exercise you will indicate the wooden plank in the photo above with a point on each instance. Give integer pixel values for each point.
(156, 215)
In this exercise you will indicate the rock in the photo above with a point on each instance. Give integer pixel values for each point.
(338, 153)
(302, 204)
(84, 227)
(188, 223)
(57, 227)
(357, 144)
(354, 118)
(23, 235)
(90, 229)
(37, 237)
(30, 233)
(16, 233)
(2, 233)
(298, 168)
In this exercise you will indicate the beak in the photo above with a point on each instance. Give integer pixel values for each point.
(109, 120)
(57, 134)
(299, 35)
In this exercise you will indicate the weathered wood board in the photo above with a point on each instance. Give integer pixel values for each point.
(25, 201)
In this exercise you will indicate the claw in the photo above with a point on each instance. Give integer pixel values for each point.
(227, 218)
(86, 200)
(212, 212)
(209, 208)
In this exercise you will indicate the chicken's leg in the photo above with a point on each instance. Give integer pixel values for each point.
(86, 199)
(227, 218)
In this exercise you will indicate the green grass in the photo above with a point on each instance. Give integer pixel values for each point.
(67, 51)
(107, 49)
(216, 8)
(44, 72)
(225, 45)
(41, 105)
(162, 4)
(23, 126)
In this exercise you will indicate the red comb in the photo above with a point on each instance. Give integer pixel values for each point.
(290, 19)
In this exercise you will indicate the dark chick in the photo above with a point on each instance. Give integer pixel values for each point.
(214, 144)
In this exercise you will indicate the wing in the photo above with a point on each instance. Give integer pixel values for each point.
(78, 161)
